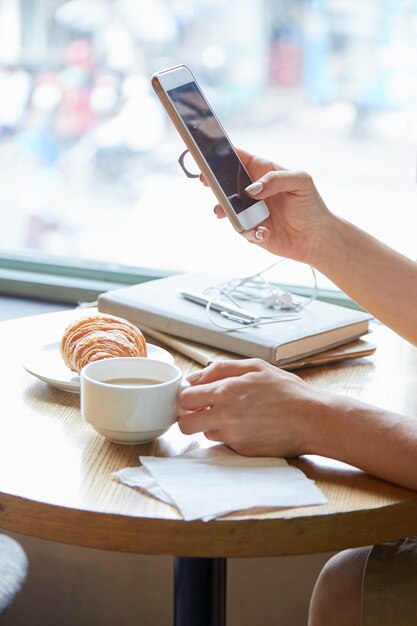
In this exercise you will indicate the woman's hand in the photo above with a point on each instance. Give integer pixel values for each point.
(297, 212)
(259, 410)
(253, 407)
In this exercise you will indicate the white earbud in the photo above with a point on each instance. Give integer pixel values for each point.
(283, 300)
(286, 300)
(270, 300)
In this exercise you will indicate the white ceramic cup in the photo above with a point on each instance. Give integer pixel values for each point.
(125, 413)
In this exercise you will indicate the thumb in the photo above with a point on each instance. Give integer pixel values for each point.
(280, 181)
(259, 235)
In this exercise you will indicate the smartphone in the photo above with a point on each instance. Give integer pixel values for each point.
(209, 145)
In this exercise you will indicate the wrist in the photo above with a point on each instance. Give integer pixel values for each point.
(328, 243)
(341, 428)
(324, 434)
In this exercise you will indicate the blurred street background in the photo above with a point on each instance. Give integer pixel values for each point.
(88, 157)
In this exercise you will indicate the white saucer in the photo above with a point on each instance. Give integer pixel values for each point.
(46, 363)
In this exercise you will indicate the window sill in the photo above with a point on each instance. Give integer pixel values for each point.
(67, 282)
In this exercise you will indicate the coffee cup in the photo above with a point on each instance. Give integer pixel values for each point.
(130, 400)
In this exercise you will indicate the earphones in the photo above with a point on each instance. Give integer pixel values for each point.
(269, 296)
(280, 300)
(266, 295)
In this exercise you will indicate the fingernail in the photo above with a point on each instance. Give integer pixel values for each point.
(255, 188)
(194, 376)
(260, 234)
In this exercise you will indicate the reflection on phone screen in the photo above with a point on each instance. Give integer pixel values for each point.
(214, 145)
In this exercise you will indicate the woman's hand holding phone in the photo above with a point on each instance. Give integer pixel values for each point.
(280, 211)
(297, 212)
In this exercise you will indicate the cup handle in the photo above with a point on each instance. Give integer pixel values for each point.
(180, 412)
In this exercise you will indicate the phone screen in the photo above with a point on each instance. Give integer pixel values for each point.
(207, 133)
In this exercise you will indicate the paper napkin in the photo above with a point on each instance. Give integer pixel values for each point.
(211, 482)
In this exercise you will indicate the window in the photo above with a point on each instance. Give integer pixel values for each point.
(88, 158)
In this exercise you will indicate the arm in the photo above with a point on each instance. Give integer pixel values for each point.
(381, 280)
(377, 441)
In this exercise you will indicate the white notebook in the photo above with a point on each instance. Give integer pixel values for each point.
(157, 304)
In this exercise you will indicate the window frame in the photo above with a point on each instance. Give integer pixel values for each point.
(69, 281)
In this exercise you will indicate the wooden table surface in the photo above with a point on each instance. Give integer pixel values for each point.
(56, 483)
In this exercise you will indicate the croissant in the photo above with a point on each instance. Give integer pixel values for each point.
(100, 336)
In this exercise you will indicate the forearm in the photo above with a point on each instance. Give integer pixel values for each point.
(379, 442)
(381, 280)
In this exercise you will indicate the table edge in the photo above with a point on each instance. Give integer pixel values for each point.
(234, 538)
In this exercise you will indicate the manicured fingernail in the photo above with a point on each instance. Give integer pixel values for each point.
(194, 376)
(254, 188)
(260, 234)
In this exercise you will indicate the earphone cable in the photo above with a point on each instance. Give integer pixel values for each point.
(280, 301)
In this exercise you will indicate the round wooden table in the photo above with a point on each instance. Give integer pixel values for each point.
(56, 483)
